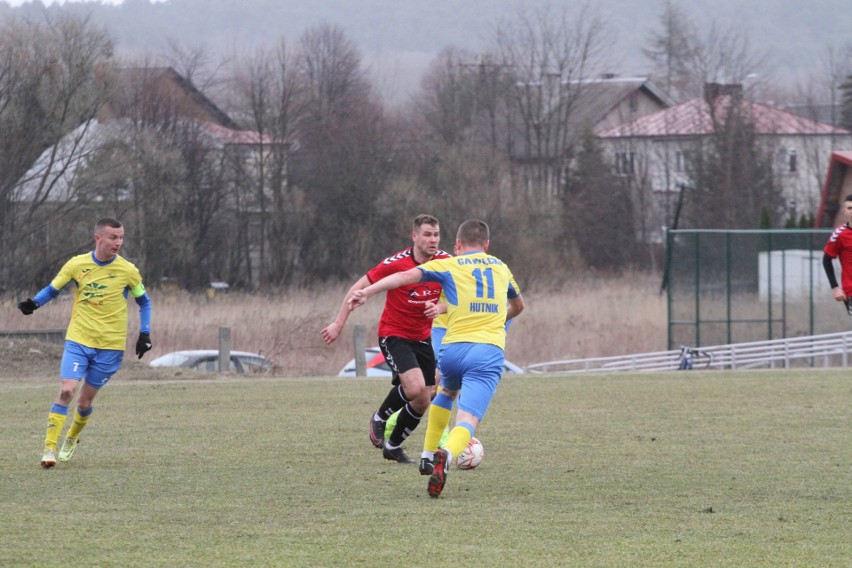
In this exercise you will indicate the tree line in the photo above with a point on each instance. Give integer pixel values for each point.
(333, 177)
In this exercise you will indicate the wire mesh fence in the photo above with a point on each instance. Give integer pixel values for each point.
(733, 286)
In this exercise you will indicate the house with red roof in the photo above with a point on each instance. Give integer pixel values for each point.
(141, 98)
(657, 150)
(556, 114)
(154, 117)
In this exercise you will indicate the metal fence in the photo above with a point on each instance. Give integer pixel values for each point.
(829, 350)
(727, 287)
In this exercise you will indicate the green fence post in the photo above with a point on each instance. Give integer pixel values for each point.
(697, 290)
(728, 282)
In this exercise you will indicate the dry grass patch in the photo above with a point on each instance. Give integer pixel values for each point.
(586, 317)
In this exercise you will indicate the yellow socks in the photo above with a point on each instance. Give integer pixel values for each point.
(459, 439)
(55, 422)
(78, 424)
(439, 417)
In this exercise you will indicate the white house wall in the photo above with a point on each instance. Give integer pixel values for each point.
(656, 181)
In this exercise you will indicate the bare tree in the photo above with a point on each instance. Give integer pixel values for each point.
(269, 97)
(52, 84)
(343, 160)
(549, 53)
(685, 60)
(196, 65)
(726, 56)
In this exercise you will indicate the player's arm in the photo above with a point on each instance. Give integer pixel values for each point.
(44, 295)
(357, 297)
(50, 291)
(143, 300)
(332, 331)
(828, 266)
(514, 307)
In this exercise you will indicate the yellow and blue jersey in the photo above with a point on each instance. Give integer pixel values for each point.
(99, 313)
(440, 322)
(477, 287)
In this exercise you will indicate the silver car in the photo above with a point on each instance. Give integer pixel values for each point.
(207, 360)
(378, 367)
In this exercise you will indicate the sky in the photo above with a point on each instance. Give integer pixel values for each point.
(50, 2)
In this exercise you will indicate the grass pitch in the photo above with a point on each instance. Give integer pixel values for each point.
(676, 469)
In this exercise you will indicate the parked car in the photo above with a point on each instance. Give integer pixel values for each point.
(378, 367)
(208, 360)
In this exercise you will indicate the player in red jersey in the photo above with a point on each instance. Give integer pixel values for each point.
(404, 337)
(839, 245)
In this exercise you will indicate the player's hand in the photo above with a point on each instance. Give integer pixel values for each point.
(430, 310)
(143, 344)
(331, 332)
(836, 292)
(28, 306)
(356, 298)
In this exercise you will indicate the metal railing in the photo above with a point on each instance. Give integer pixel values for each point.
(828, 350)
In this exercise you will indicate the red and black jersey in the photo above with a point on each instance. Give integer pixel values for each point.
(403, 314)
(839, 245)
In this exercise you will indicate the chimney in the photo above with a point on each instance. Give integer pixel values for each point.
(714, 90)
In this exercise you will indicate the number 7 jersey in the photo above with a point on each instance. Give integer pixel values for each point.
(477, 287)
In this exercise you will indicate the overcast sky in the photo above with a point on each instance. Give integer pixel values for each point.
(49, 2)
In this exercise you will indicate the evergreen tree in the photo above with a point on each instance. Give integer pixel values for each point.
(734, 180)
(597, 203)
(672, 51)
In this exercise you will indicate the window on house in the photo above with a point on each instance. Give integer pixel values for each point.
(633, 101)
(792, 162)
(683, 161)
(625, 163)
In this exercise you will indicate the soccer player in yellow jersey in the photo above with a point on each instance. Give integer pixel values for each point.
(481, 295)
(97, 332)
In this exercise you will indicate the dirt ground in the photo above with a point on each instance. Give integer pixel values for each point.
(34, 360)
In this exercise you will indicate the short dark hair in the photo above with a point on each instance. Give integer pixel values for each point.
(424, 219)
(848, 197)
(473, 232)
(107, 222)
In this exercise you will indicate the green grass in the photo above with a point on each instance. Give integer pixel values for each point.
(677, 469)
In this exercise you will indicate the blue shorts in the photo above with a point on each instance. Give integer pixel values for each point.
(438, 334)
(475, 368)
(95, 365)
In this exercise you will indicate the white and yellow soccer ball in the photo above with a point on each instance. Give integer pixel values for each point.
(471, 456)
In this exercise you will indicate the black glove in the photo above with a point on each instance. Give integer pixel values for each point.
(143, 344)
(28, 306)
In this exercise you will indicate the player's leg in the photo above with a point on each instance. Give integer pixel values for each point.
(56, 421)
(438, 334)
(73, 367)
(392, 403)
(391, 424)
(82, 412)
(439, 415)
(104, 364)
(416, 362)
(482, 369)
(482, 375)
(440, 411)
(407, 417)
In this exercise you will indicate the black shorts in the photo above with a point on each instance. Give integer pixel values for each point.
(405, 354)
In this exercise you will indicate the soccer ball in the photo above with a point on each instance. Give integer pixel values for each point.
(471, 456)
